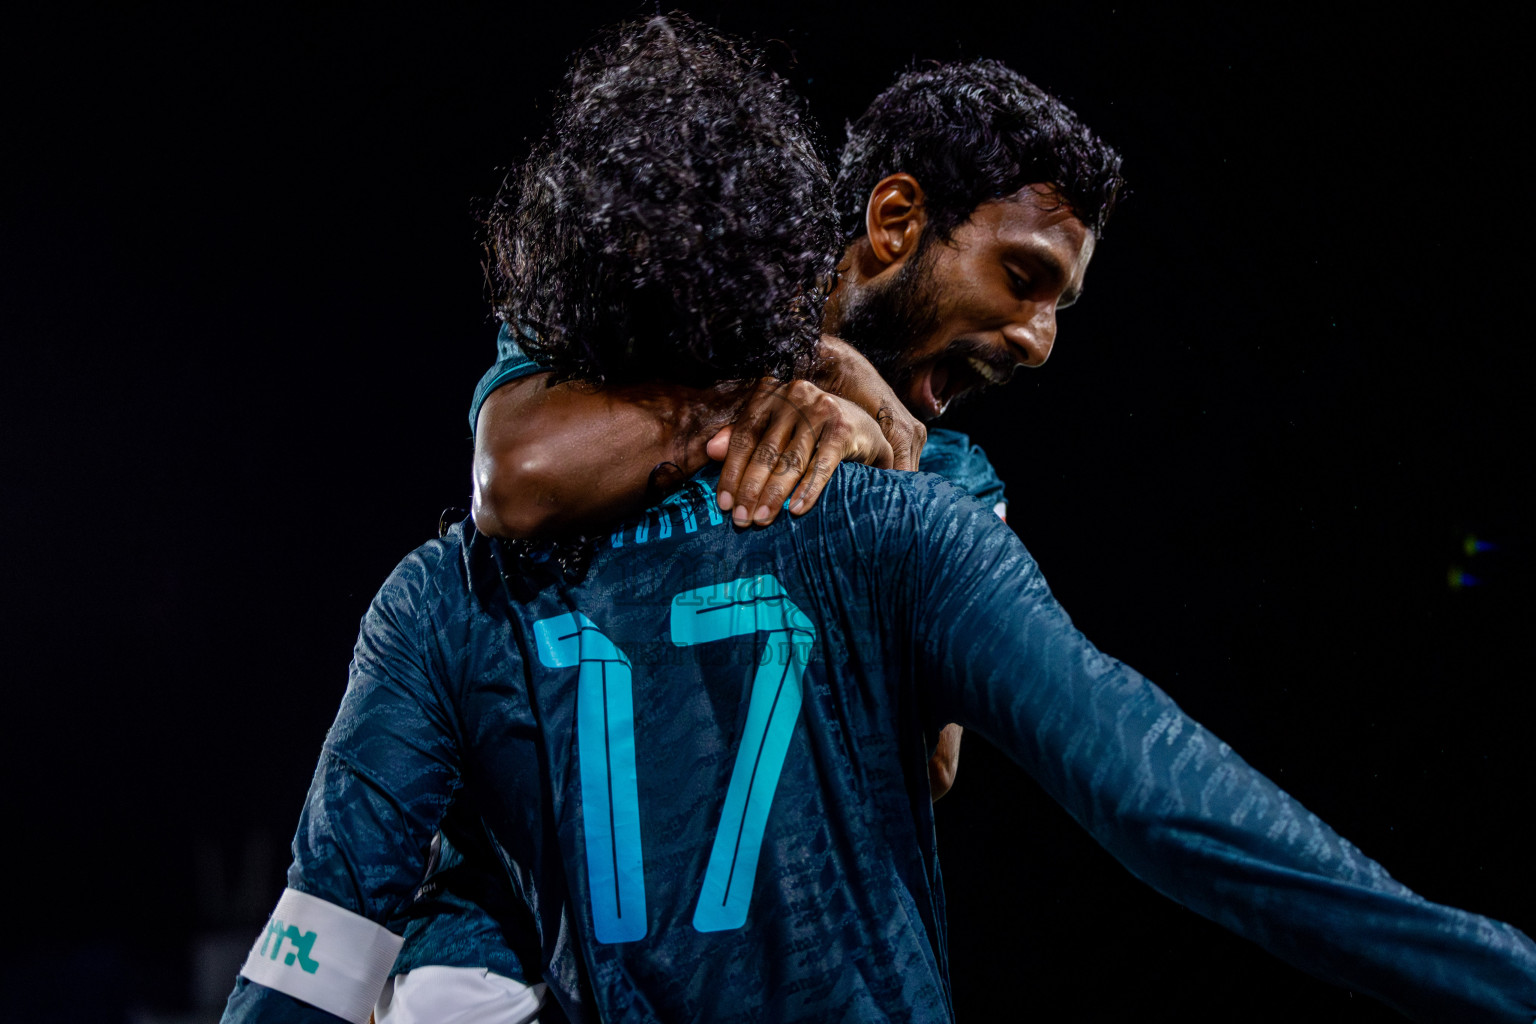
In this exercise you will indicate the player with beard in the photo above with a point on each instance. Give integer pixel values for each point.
(969, 201)
(700, 749)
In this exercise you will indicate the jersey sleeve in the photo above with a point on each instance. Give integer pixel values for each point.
(512, 363)
(951, 455)
(1168, 799)
(465, 914)
(384, 782)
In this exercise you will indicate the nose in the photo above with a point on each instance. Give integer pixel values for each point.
(1033, 336)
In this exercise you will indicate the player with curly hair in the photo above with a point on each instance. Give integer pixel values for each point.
(969, 203)
(698, 751)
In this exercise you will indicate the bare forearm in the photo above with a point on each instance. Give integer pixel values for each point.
(572, 458)
(563, 459)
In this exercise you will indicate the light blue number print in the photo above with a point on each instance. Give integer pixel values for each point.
(605, 722)
(757, 604)
(610, 803)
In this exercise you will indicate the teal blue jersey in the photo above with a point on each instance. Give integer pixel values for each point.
(468, 917)
(512, 363)
(455, 921)
(700, 754)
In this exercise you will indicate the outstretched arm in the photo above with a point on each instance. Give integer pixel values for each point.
(1172, 802)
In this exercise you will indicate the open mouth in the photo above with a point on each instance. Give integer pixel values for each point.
(953, 375)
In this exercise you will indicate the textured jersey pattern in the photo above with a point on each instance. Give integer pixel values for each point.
(925, 609)
(465, 916)
(951, 454)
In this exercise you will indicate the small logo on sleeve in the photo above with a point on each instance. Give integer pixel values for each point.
(303, 944)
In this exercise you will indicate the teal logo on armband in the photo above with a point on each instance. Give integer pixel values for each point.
(303, 945)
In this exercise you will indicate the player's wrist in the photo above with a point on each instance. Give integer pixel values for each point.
(832, 360)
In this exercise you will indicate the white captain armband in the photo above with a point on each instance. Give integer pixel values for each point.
(325, 955)
(1001, 508)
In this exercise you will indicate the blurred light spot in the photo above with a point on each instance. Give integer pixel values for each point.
(1458, 579)
(1473, 546)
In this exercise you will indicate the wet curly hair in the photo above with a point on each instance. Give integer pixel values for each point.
(971, 131)
(675, 223)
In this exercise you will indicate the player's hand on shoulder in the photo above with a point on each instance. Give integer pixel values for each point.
(785, 443)
(843, 370)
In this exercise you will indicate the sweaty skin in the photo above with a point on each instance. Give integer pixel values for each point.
(521, 487)
(552, 459)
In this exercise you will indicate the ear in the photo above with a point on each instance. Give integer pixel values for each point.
(895, 218)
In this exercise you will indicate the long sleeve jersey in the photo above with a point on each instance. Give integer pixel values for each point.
(465, 915)
(700, 755)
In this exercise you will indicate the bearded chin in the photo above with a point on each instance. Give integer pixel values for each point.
(884, 321)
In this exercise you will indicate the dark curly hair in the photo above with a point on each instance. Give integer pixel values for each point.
(969, 132)
(675, 223)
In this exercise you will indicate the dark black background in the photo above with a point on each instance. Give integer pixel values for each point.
(242, 315)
